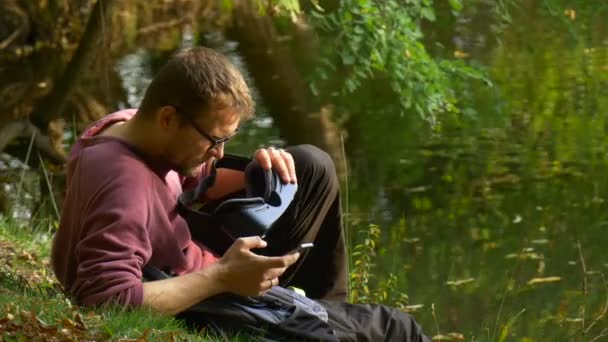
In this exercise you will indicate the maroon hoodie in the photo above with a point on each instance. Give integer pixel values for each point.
(118, 215)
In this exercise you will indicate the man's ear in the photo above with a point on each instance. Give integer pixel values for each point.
(167, 117)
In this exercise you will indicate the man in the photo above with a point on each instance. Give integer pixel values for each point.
(124, 177)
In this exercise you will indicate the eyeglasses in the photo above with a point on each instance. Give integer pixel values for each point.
(215, 142)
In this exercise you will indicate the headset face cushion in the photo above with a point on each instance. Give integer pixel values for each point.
(265, 199)
(256, 181)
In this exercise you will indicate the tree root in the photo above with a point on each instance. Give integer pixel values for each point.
(24, 128)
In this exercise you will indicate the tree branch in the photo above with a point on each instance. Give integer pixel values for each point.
(163, 25)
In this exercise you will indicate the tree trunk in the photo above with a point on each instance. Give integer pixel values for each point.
(51, 106)
(281, 84)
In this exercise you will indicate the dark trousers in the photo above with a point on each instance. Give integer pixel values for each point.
(371, 323)
(315, 216)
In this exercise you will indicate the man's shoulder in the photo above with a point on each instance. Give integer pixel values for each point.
(108, 120)
(111, 161)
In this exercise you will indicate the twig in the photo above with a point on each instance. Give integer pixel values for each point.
(585, 294)
(602, 334)
(512, 321)
(502, 303)
(435, 318)
(48, 183)
(27, 159)
(346, 206)
(502, 300)
(163, 25)
(601, 316)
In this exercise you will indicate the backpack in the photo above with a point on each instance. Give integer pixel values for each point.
(280, 314)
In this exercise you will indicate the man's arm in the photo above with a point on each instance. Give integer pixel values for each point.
(239, 271)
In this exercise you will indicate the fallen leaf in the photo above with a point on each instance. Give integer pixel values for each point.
(570, 13)
(413, 308)
(460, 54)
(535, 281)
(459, 282)
(79, 322)
(68, 323)
(449, 337)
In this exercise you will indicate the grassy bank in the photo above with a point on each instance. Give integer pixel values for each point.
(33, 305)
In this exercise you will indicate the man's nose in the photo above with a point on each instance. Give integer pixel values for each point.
(218, 152)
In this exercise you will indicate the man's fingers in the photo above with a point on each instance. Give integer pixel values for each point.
(273, 282)
(291, 167)
(263, 158)
(279, 164)
(281, 261)
(280, 160)
(250, 242)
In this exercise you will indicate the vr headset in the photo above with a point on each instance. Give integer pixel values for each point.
(248, 213)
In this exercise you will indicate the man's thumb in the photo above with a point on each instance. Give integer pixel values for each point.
(251, 242)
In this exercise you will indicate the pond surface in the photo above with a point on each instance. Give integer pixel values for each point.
(485, 218)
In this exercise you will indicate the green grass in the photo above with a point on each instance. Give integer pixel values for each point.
(33, 305)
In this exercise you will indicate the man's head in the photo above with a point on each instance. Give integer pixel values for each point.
(196, 102)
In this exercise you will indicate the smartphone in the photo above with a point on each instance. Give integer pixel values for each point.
(301, 248)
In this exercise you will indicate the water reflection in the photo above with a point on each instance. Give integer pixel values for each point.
(135, 76)
(488, 215)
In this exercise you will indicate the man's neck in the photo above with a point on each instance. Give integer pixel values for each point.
(138, 133)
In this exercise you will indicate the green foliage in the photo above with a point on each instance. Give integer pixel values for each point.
(362, 259)
(363, 255)
(383, 40)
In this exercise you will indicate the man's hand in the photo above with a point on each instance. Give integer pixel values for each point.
(278, 159)
(245, 273)
(239, 271)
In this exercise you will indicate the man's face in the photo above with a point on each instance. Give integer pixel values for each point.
(192, 143)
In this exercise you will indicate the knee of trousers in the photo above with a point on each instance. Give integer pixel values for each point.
(404, 324)
(311, 161)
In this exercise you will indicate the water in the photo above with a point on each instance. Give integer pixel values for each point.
(486, 219)
(476, 217)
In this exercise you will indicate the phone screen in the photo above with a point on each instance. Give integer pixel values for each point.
(303, 247)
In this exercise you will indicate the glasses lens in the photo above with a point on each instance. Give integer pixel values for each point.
(218, 143)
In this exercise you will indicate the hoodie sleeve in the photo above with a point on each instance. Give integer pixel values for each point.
(115, 243)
